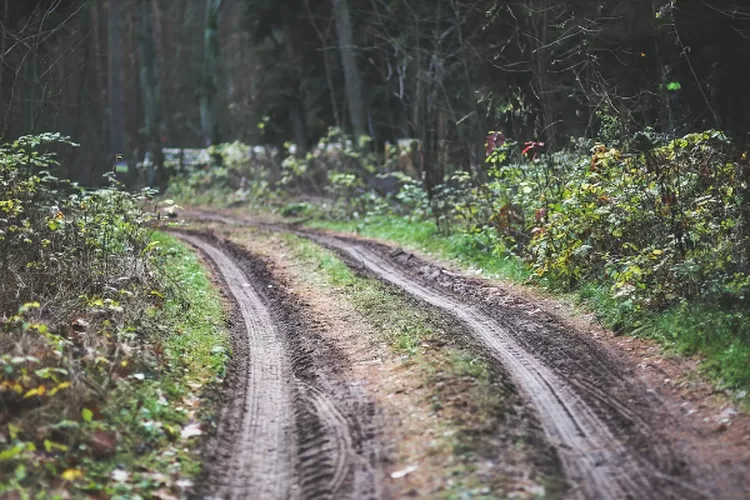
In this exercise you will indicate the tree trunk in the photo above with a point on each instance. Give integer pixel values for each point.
(352, 80)
(116, 101)
(296, 101)
(209, 77)
(150, 91)
(327, 64)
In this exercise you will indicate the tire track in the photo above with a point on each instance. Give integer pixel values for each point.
(288, 427)
(606, 430)
(599, 458)
(256, 430)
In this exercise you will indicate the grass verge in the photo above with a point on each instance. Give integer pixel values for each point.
(137, 436)
(463, 249)
(720, 336)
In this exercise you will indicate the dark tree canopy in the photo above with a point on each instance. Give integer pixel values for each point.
(444, 72)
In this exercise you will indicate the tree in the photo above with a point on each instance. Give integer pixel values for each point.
(150, 94)
(116, 104)
(209, 74)
(352, 79)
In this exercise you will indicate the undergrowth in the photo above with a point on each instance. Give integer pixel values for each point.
(97, 394)
(652, 232)
(485, 255)
(719, 335)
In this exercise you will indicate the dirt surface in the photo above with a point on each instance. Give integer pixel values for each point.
(620, 432)
(626, 421)
(428, 412)
(583, 399)
(290, 426)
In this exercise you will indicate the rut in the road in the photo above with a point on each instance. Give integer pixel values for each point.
(287, 428)
(605, 435)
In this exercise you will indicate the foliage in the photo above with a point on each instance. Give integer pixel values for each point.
(660, 225)
(244, 174)
(480, 252)
(654, 235)
(87, 336)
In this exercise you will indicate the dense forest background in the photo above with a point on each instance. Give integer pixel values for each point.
(128, 77)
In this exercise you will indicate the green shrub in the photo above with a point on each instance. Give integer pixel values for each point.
(79, 301)
(659, 225)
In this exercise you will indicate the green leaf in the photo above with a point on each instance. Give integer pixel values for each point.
(87, 415)
(674, 86)
(11, 453)
(20, 472)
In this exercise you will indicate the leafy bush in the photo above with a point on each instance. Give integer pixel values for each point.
(80, 303)
(241, 175)
(660, 225)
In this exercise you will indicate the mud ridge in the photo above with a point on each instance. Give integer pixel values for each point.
(317, 438)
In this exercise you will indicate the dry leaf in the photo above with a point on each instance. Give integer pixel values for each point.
(72, 474)
(191, 430)
(403, 472)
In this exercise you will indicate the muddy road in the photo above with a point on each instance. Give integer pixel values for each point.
(606, 445)
(613, 436)
(287, 428)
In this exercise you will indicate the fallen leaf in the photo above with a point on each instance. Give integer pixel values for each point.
(37, 391)
(184, 484)
(164, 494)
(72, 474)
(59, 387)
(191, 430)
(403, 472)
(79, 324)
(103, 443)
(120, 475)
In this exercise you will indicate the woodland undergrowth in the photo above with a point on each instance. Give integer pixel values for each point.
(96, 393)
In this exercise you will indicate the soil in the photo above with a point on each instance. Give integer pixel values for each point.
(503, 449)
(290, 426)
(625, 421)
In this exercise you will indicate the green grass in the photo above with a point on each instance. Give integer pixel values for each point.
(204, 341)
(466, 250)
(405, 331)
(150, 415)
(129, 442)
(720, 336)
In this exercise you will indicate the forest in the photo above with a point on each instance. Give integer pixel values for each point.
(155, 155)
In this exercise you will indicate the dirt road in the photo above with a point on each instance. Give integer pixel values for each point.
(613, 436)
(283, 433)
(584, 402)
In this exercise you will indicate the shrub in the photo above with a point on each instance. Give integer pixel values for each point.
(666, 223)
(77, 300)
